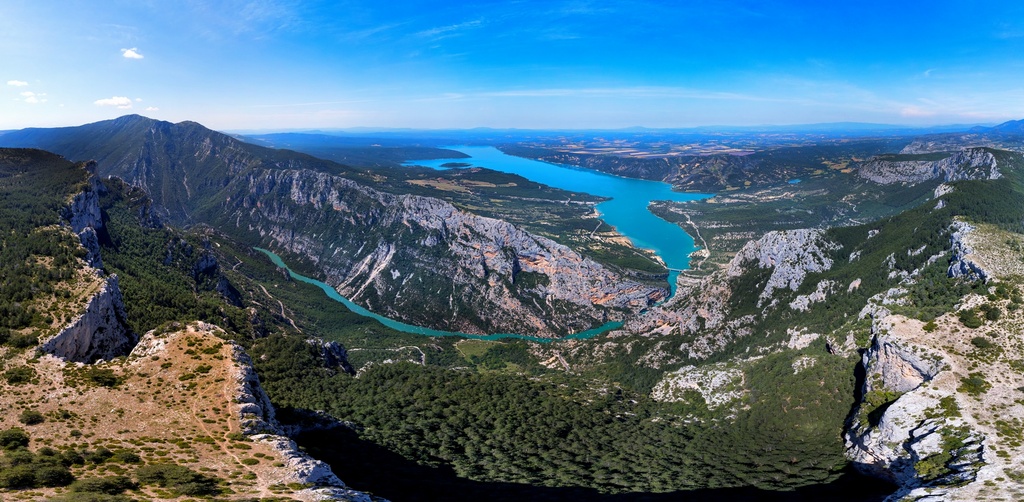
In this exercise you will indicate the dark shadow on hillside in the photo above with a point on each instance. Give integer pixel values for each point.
(372, 468)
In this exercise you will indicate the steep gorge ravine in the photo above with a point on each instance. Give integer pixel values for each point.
(796, 276)
(418, 259)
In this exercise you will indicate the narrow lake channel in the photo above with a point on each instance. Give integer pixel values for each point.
(626, 211)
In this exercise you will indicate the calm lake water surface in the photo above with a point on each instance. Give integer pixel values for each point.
(627, 211)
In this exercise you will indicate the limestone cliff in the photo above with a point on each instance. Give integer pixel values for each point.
(701, 307)
(790, 254)
(966, 164)
(426, 262)
(100, 331)
(911, 428)
(83, 215)
(940, 402)
(97, 333)
(962, 263)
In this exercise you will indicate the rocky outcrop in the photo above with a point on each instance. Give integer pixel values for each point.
(820, 294)
(325, 484)
(255, 410)
(967, 164)
(172, 349)
(85, 218)
(791, 254)
(258, 421)
(98, 333)
(907, 433)
(892, 366)
(718, 385)
(426, 262)
(333, 354)
(960, 263)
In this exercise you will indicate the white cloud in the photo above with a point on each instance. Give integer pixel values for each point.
(450, 30)
(138, 100)
(33, 98)
(132, 53)
(118, 101)
(17, 83)
(152, 109)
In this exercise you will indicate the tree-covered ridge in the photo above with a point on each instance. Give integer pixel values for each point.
(568, 432)
(37, 253)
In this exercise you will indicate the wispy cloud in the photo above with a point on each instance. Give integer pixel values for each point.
(17, 83)
(132, 53)
(33, 98)
(152, 109)
(450, 30)
(120, 102)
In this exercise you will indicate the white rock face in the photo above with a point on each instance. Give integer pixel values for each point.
(512, 280)
(791, 254)
(84, 215)
(961, 264)
(718, 384)
(820, 294)
(892, 366)
(913, 441)
(258, 421)
(967, 164)
(326, 485)
(98, 333)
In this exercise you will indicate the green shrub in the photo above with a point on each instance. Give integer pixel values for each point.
(178, 479)
(12, 439)
(18, 476)
(970, 319)
(112, 485)
(19, 375)
(31, 417)
(53, 475)
(982, 342)
(90, 497)
(127, 457)
(102, 376)
(974, 384)
(23, 341)
(99, 455)
(993, 314)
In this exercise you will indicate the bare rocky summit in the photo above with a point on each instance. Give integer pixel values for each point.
(966, 164)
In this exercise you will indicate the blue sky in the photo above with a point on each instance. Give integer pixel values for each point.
(240, 64)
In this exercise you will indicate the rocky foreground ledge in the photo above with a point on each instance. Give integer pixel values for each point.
(184, 396)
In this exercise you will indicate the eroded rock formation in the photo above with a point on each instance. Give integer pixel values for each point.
(100, 332)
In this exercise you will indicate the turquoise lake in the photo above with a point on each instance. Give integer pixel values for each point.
(627, 211)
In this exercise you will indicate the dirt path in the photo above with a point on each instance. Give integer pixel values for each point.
(281, 304)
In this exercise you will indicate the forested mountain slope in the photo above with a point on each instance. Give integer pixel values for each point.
(455, 270)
